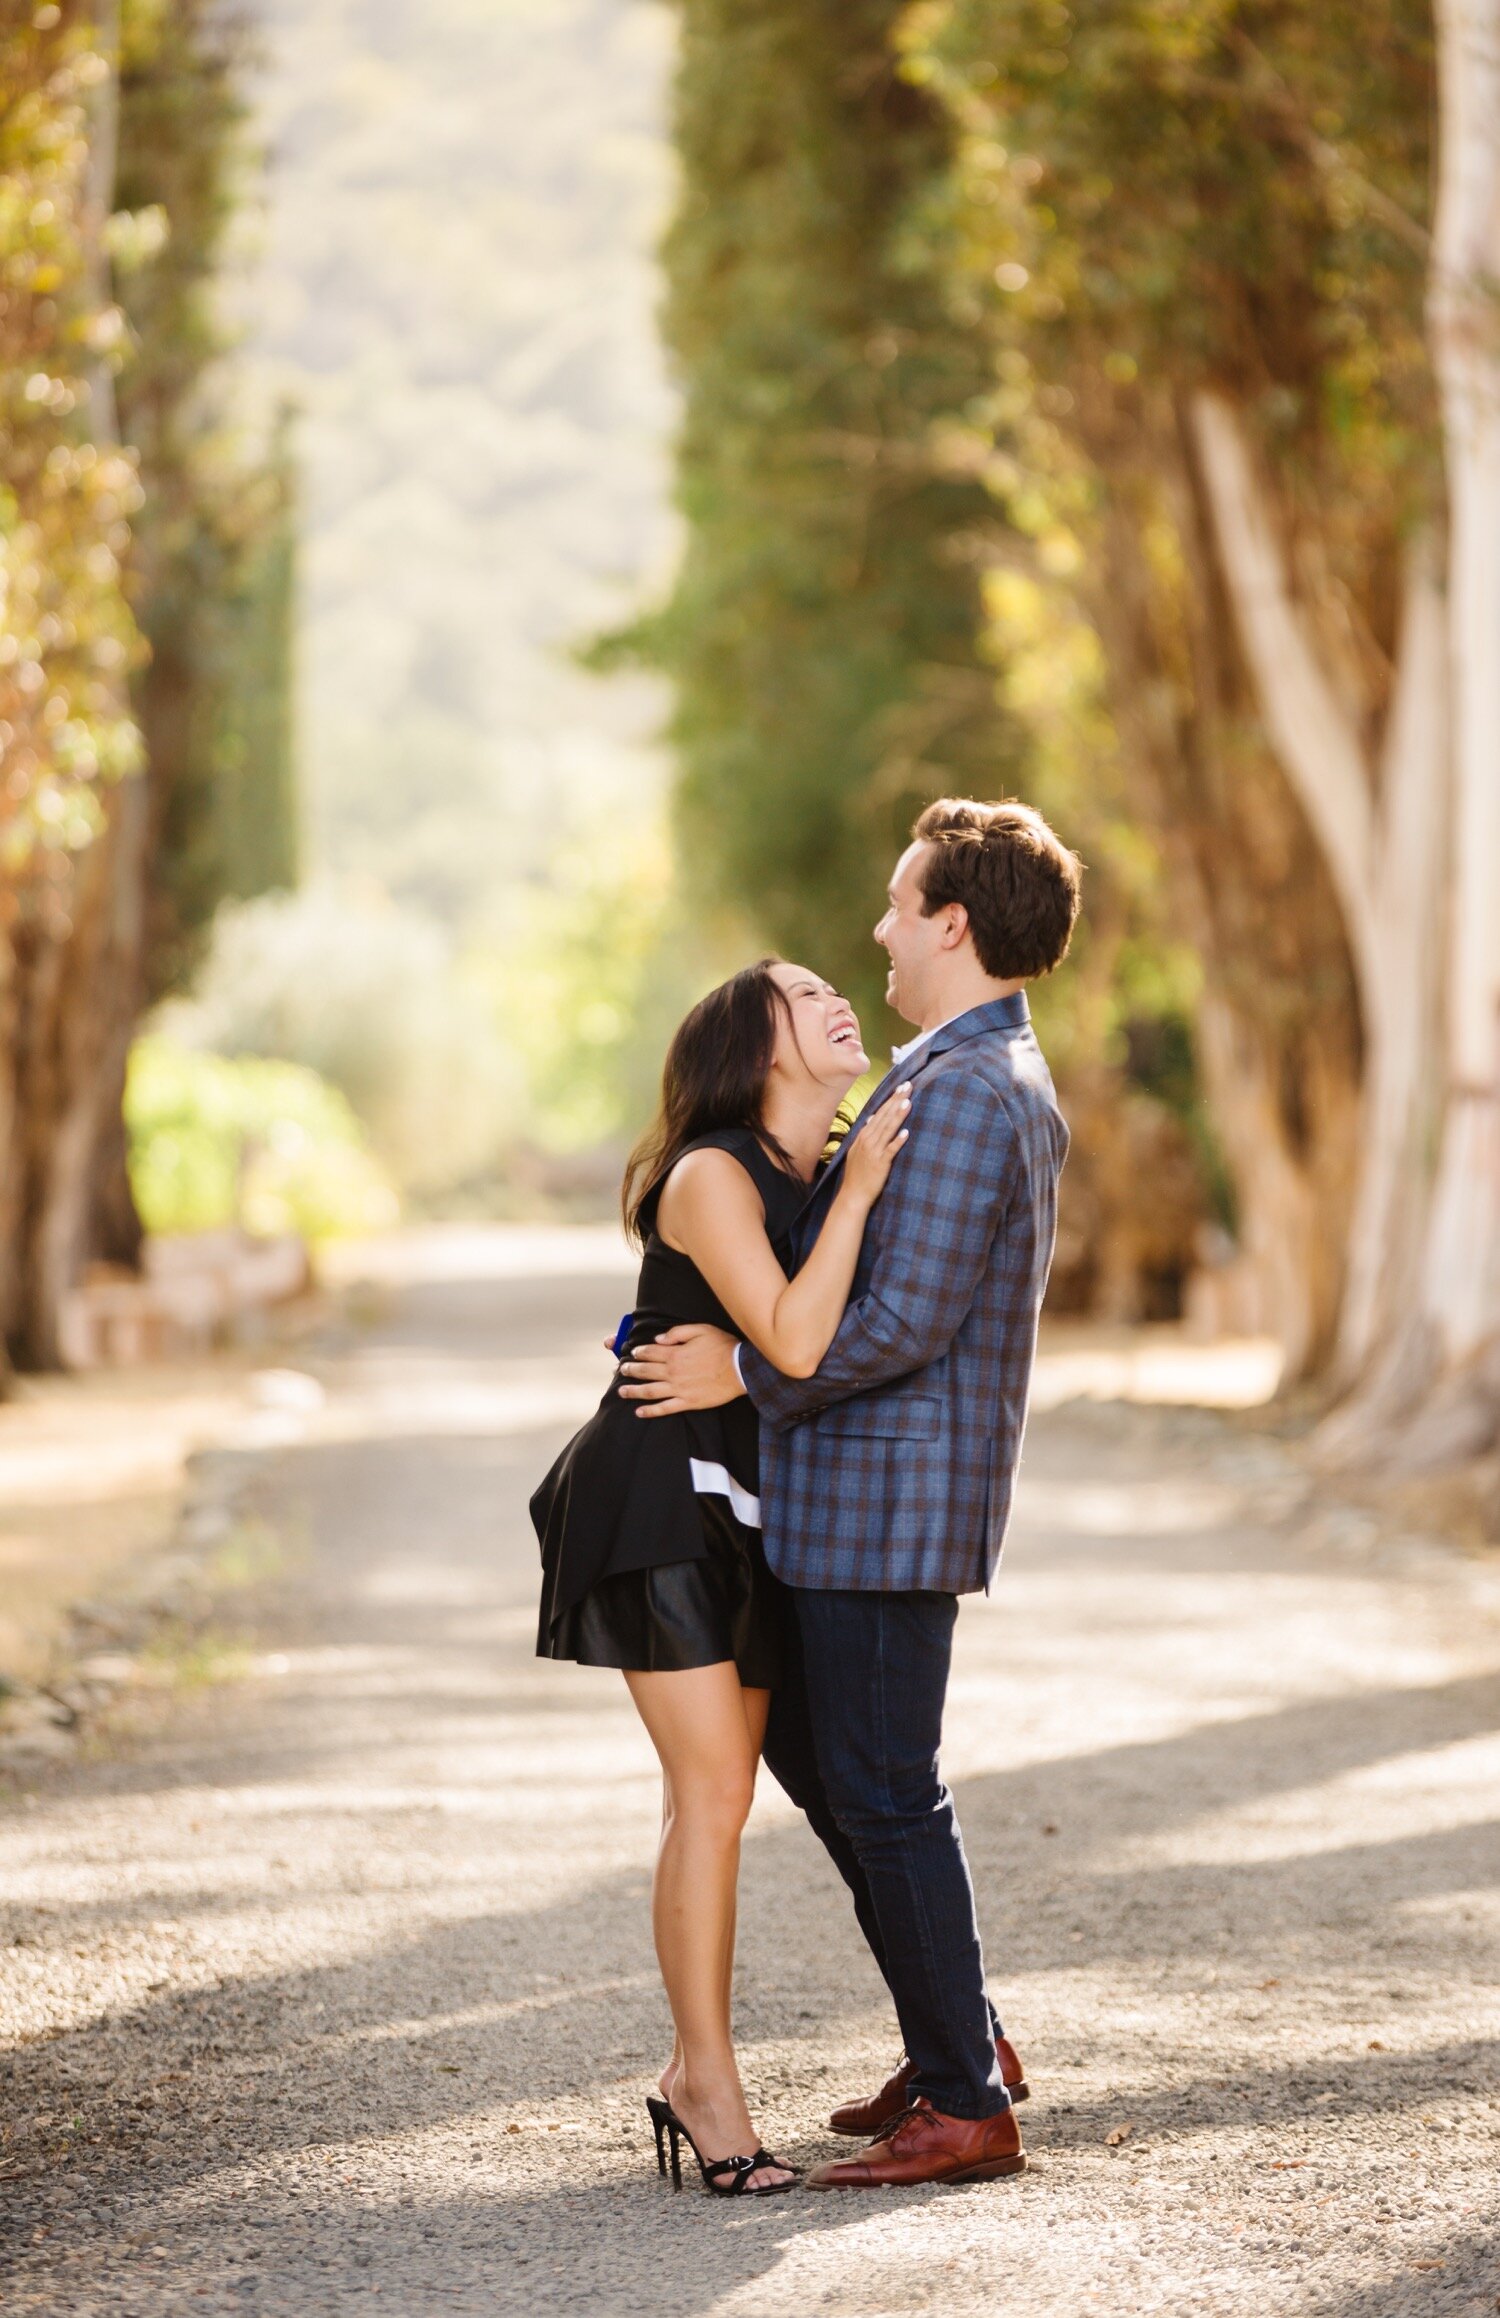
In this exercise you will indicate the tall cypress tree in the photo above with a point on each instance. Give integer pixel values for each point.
(125, 507)
(1221, 208)
(213, 562)
(210, 567)
(823, 633)
(72, 790)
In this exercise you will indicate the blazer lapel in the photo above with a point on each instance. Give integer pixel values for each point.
(1000, 1014)
(896, 1076)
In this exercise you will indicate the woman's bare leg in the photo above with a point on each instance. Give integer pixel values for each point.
(669, 2074)
(706, 1731)
(757, 1706)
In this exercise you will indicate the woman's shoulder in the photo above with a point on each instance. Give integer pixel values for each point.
(703, 1160)
(739, 1142)
(707, 1160)
(723, 1160)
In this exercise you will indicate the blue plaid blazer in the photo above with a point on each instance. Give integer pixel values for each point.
(891, 1469)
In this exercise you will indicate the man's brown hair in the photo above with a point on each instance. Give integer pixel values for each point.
(1014, 876)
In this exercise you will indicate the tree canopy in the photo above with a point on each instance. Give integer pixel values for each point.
(825, 632)
(1224, 198)
(66, 490)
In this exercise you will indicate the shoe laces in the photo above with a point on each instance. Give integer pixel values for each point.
(914, 2125)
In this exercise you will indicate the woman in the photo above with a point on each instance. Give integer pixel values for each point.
(650, 1531)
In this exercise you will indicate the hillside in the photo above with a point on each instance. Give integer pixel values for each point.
(455, 283)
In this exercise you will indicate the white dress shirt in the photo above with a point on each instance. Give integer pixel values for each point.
(901, 1054)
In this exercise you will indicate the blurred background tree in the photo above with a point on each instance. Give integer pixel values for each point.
(147, 625)
(213, 558)
(364, 994)
(823, 634)
(1252, 354)
(1099, 400)
(75, 805)
(1180, 207)
(839, 650)
(263, 1144)
(1151, 337)
(454, 284)
(212, 564)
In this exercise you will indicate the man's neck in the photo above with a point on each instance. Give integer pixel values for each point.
(963, 995)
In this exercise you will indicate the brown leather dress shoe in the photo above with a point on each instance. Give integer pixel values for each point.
(924, 2145)
(862, 2120)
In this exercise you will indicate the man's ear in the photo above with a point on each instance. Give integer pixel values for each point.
(955, 924)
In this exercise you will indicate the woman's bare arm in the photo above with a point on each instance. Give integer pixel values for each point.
(710, 1210)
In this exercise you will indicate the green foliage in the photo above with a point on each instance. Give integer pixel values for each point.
(66, 493)
(1229, 193)
(543, 1035)
(823, 634)
(178, 528)
(255, 797)
(374, 999)
(600, 965)
(213, 559)
(267, 1145)
(878, 600)
(1172, 197)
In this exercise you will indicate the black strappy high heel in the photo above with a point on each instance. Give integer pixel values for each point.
(724, 2176)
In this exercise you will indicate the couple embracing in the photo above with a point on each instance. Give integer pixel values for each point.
(807, 1456)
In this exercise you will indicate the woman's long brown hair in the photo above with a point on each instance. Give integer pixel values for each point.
(714, 1076)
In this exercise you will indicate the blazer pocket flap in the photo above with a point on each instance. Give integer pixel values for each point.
(914, 1416)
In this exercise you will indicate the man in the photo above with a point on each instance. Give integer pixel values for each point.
(887, 1475)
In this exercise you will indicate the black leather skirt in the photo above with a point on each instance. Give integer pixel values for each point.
(726, 1605)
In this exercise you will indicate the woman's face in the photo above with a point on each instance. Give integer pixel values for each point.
(821, 1041)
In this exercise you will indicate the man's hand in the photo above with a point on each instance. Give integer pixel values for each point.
(687, 1368)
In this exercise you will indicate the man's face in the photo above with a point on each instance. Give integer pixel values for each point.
(912, 940)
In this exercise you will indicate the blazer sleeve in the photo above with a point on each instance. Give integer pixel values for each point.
(933, 1227)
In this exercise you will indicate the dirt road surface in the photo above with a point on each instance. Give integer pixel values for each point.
(334, 1993)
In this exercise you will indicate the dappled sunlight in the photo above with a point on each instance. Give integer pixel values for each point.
(437, 2024)
(1404, 1797)
(443, 1399)
(507, 513)
(1162, 1364)
(463, 1251)
(1223, 1791)
(1128, 1508)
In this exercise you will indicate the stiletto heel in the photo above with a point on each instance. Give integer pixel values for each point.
(661, 2117)
(724, 2176)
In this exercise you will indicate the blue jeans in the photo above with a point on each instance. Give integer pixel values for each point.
(853, 1738)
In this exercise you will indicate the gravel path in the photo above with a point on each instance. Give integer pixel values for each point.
(335, 1993)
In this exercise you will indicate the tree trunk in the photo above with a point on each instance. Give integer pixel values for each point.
(112, 1229)
(9, 1126)
(1279, 1045)
(1381, 825)
(1413, 848)
(1402, 1095)
(1461, 1280)
(116, 1232)
(1278, 1219)
(77, 961)
(1432, 1396)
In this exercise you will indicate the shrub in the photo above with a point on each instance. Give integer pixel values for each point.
(267, 1145)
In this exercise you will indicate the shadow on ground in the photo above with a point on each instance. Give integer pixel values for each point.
(504, 2048)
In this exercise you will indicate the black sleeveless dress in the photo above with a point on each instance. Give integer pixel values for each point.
(650, 1527)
